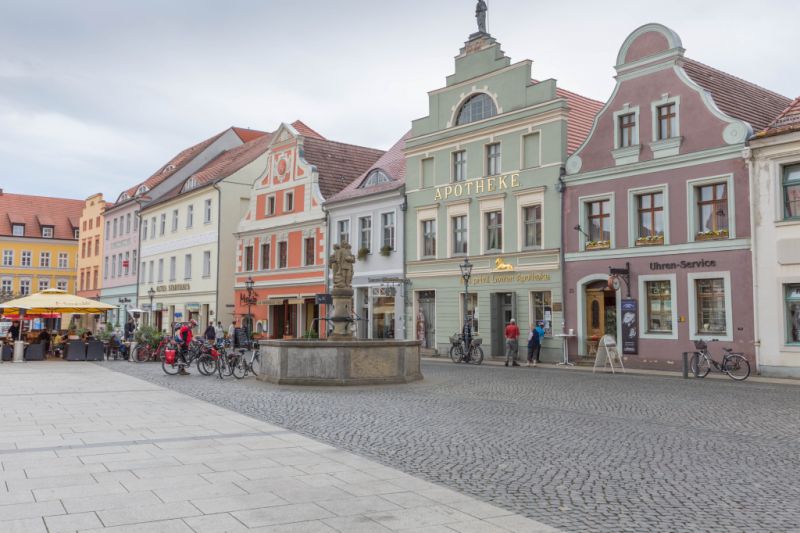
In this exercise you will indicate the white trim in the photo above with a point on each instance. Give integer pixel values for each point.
(626, 110)
(722, 245)
(488, 206)
(456, 210)
(644, 311)
(726, 277)
(530, 199)
(538, 133)
(583, 218)
(633, 212)
(691, 204)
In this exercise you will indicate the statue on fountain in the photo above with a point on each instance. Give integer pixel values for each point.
(341, 263)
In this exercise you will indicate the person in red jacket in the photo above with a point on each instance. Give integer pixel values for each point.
(512, 342)
(185, 335)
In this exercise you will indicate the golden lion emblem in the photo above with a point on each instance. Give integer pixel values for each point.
(502, 266)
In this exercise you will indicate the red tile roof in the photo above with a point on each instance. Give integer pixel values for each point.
(580, 117)
(392, 162)
(247, 135)
(338, 164)
(736, 97)
(62, 213)
(306, 131)
(788, 121)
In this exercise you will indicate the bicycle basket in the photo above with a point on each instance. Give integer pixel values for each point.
(476, 341)
(700, 345)
(455, 339)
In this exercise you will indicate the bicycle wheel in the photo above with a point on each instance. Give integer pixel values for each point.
(700, 365)
(142, 353)
(170, 369)
(476, 355)
(206, 365)
(255, 365)
(239, 368)
(737, 367)
(456, 352)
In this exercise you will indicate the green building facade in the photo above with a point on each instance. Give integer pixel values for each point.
(482, 181)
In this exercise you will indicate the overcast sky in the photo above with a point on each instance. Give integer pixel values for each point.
(95, 95)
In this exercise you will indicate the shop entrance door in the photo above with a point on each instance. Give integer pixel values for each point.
(601, 315)
(503, 310)
(426, 319)
(278, 321)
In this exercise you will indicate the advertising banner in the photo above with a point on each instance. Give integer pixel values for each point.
(630, 327)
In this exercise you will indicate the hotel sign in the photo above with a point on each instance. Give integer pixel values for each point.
(478, 186)
(507, 277)
(174, 287)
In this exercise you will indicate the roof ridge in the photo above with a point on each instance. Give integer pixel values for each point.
(757, 86)
(343, 144)
(785, 112)
(4, 193)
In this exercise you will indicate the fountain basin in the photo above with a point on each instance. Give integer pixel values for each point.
(351, 362)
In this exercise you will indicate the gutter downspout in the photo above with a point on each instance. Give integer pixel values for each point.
(404, 285)
(327, 263)
(747, 154)
(562, 190)
(219, 247)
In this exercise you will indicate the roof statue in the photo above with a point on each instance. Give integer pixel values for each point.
(480, 14)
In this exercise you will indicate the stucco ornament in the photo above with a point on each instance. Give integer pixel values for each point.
(735, 133)
(480, 14)
(574, 164)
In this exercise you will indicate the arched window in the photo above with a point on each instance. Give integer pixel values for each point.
(142, 190)
(376, 177)
(477, 107)
(191, 183)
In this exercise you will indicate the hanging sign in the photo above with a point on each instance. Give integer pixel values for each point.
(630, 326)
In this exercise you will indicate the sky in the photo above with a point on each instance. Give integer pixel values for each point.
(96, 95)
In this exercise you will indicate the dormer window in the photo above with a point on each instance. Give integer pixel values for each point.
(141, 190)
(376, 177)
(47, 232)
(124, 197)
(477, 107)
(18, 230)
(191, 183)
(75, 232)
(168, 168)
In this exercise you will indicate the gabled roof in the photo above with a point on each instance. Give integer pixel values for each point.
(37, 211)
(393, 163)
(303, 129)
(736, 97)
(580, 117)
(338, 164)
(787, 122)
(246, 134)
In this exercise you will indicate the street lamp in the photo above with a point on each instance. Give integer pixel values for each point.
(466, 273)
(151, 293)
(249, 283)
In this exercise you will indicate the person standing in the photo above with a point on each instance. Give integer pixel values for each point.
(535, 344)
(219, 333)
(130, 327)
(13, 331)
(185, 335)
(210, 333)
(512, 342)
(232, 330)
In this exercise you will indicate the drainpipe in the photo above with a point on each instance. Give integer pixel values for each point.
(404, 285)
(219, 241)
(747, 154)
(327, 264)
(561, 187)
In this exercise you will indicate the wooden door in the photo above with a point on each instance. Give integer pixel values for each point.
(595, 314)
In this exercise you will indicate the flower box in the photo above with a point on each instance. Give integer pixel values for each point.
(598, 245)
(655, 240)
(711, 235)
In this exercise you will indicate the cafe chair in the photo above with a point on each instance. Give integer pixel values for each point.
(35, 352)
(76, 351)
(95, 351)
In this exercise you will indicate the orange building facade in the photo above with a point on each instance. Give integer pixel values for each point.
(90, 254)
(282, 238)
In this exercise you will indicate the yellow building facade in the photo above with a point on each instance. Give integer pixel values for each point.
(90, 252)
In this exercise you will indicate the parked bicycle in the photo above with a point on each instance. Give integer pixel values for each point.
(144, 352)
(244, 363)
(733, 364)
(172, 366)
(461, 353)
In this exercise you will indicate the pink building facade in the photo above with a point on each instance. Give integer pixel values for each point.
(659, 192)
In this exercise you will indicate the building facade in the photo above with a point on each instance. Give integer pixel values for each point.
(90, 256)
(481, 175)
(659, 191)
(369, 214)
(281, 240)
(775, 170)
(185, 272)
(39, 244)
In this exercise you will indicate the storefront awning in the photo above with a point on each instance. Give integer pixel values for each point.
(295, 301)
(274, 301)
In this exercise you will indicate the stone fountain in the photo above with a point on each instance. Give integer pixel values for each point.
(341, 359)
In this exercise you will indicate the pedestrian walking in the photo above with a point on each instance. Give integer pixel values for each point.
(512, 342)
(232, 330)
(535, 339)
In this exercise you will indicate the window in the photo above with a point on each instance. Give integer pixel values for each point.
(18, 230)
(599, 221)
(283, 254)
(83, 249)
(310, 251)
(97, 246)
(187, 266)
(387, 230)
(365, 233)
(75, 233)
(152, 227)
(494, 231)
(115, 228)
(113, 266)
(270, 205)
(135, 220)
(792, 313)
(63, 260)
(84, 225)
(144, 229)
(265, 249)
(173, 267)
(459, 225)
(791, 191)
(128, 223)
(144, 272)
(47, 232)
(6, 286)
(493, 159)
(133, 262)
(108, 229)
(343, 231)
(477, 107)
(473, 312)
(288, 202)
(8, 258)
(127, 263)
(26, 259)
(189, 216)
(658, 310)
(175, 215)
(207, 211)
(712, 210)
(206, 264)
(163, 226)
(44, 259)
(542, 310)
(24, 287)
(44, 284)
(627, 130)
(666, 116)
(161, 270)
(106, 271)
(460, 165)
(152, 277)
(61, 285)
(375, 177)
(650, 217)
(532, 220)
(248, 258)
(94, 274)
(428, 238)
(711, 318)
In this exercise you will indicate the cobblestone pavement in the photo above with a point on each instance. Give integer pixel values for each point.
(576, 451)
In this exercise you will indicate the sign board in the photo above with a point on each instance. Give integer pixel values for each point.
(608, 355)
(630, 326)
(323, 299)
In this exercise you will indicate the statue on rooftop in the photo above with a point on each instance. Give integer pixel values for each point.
(480, 14)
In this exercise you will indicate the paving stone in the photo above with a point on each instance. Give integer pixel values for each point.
(27, 525)
(147, 513)
(358, 506)
(161, 526)
(285, 514)
(72, 522)
(215, 523)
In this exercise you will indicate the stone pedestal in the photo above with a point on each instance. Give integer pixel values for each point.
(342, 314)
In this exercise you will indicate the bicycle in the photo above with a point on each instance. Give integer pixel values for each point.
(242, 366)
(733, 364)
(193, 353)
(460, 354)
(146, 353)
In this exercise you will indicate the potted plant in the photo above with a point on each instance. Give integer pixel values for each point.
(363, 252)
(712, 235)
(650, 240)
(598, 245)
(386, 250)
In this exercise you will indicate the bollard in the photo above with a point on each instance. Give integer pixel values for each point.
(685, 365)
(131, 349)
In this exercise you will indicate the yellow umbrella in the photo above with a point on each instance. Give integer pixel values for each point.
(54, 301)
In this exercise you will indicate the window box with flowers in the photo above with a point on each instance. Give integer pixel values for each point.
(712, 235)
(650, 240)
(598, 245)
(363, 252)
(386, 251)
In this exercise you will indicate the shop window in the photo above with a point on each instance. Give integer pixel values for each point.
(542, 310)
(494, 159)
(710, 308)
(283, 254)
(659, 306)
(472, 311)
(712, 211)
(428, 238)
(383, 316)
(532, 222)
(310, 251)
(248, 258)
(650, 218)
(265, 250)
(494, 231)
(477, 107)
(793, 313)
(460, 165)
(791, 192)
(460, 235)
(365, 233)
